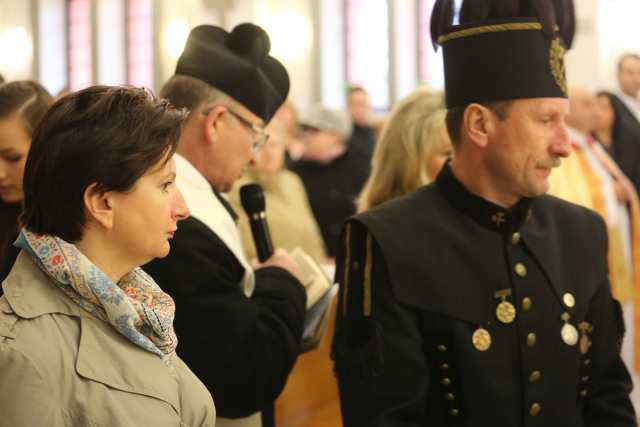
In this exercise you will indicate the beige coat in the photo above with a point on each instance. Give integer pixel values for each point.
(61, 366)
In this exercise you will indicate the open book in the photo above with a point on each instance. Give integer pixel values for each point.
(320, 294)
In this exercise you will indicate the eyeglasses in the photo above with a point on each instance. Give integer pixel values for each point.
(260, 136)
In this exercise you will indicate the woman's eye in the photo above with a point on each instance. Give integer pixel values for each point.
(166, 185)
(13, 159)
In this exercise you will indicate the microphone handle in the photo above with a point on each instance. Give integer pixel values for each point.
(261, 236)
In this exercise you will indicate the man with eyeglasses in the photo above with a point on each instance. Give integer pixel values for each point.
(239, 328)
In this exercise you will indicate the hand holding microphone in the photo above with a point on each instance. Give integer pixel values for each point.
(253, 202)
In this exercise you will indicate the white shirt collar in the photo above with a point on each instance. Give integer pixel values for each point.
(632, 103)
(188, 172)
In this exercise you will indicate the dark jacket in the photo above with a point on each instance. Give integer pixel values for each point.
(241, 348)
(332, 190)
(626, 140)
(418, 341)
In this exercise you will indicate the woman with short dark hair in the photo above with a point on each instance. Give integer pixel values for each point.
(22, 105)
(86, 337)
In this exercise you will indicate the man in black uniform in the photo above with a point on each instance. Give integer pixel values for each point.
(238, 330)
(478, 300)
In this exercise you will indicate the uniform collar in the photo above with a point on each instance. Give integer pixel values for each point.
(484, 212)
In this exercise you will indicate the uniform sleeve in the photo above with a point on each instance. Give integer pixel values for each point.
(25, 398)
(241, 348)
(379, 362)
(607, 383)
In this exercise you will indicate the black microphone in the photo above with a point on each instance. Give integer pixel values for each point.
(253, 202)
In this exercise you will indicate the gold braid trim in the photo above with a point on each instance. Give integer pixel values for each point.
(347, 264)
(515, 26)
(366, 284)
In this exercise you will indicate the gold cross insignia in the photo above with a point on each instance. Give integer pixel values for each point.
(498, 218)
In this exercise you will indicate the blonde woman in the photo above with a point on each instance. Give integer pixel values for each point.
(412, 148)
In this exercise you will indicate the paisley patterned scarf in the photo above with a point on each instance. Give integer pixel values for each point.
(135, 306)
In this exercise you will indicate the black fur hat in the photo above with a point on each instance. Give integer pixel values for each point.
(238, 64)
(503, 49)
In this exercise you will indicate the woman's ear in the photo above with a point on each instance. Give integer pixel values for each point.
(477, 124)
(99, 206)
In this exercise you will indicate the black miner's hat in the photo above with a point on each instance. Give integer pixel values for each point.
(503, 49)
(238, 64)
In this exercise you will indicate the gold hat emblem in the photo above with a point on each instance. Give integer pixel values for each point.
(556, 63)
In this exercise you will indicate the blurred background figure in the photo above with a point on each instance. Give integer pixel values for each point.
(625, 103)
(333, 172)
(605, 126)
(22, 105)
(360, 110)
(413, 147)
(287, 115)
(289, 215)
(591, 178)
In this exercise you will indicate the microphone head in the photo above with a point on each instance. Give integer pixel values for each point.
(252, 198)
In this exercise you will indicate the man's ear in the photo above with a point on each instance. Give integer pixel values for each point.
(99, 206)
(478, 123)
(211, 123)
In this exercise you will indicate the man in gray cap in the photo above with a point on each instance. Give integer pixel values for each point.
(239, 328)
(332, 172)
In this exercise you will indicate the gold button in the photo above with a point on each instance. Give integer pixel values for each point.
(569, 300)
(585, 378)
(526, 303)
(454, 412)
(520, 270)
(446, 381)
(583, 393)
(444, 366)
(587, 362)
(531, 339)
(535, 376)
(515, 238)
(442, 348)
(535, 409)
(449, 396)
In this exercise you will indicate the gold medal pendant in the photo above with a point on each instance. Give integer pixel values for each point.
(505, 311)
(481, 339)
(585, 342)
(568, 332)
